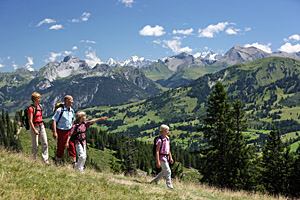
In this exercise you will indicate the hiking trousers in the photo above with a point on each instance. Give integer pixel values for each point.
(81, 152)
(165, 171)
(61, 141)
(35, 142)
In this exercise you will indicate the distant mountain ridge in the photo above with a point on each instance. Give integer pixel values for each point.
(126, 83)
(269, 90)
(101, 85)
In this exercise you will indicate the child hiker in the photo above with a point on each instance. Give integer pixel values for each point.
(163, 154)
(78, 134)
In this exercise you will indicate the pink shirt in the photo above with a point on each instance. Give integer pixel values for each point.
(165, 149)
(82, 129)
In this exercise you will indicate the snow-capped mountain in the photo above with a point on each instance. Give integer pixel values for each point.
(70, 65)
(134, 61)
(208, 56)
(112, 62)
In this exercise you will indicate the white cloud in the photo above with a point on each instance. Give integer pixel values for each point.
(184, 32)
(289, 48)
(248, 29)
(1, 65)
(53, 55)
(156, 41)
(46, 21)
(211, 30)
(294, 37)
(29, 63)
(56, 27)
(155, 31)
(231, 31)
(14, 65)
(88, 41)
(174, 45)
(74, 48)
(265, 48)
(92, 58)
(83, 18)
(128, 3)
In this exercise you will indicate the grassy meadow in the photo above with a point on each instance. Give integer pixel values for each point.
(21, 177)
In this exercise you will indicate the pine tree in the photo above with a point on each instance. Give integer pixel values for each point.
(226, 159)
(272, 164)
(241, 153)
(218, 131)
(295, 179)
(288, 161)
(130, 164)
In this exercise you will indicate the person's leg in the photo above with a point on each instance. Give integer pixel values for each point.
(160, 175)
(72, 152)
(81, 152)
(167, 170)
(44, 142)
(60, 144)
(35, 143)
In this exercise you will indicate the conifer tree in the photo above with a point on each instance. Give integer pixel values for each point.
(295, 179)
(225, 160)
(288, 170)
(218, 124)
(241, 153)
(272, 164)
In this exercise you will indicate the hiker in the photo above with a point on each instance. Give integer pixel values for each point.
(163, 156)
(62, 124)
(78, 135)
(37, 128)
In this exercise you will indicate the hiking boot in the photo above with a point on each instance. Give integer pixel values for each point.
(57, 163)
(47, 162)
(170, 186)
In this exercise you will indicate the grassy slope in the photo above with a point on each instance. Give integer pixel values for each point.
(23, 178)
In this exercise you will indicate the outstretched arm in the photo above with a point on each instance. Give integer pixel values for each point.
(98, 119)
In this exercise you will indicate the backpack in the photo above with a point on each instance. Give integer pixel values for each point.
(59, 105)
(76, 136)
(154, 145)
(25, 119)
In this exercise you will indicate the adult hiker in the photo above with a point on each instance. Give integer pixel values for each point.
(78, 135)
(62, 124)
(37, 128)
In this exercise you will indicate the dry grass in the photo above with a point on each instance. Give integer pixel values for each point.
(23, 178)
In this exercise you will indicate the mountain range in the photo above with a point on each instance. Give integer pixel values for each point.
(269, 90)
(119, 83)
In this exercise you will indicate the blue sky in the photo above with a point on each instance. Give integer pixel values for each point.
(35, 32)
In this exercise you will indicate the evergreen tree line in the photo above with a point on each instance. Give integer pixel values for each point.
(8, 132)
(228, 162)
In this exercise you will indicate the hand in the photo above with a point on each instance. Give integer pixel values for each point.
(54, 135)
(67, 145)
(171, 160)
(158, 164)
(104, 118)
(36, 132)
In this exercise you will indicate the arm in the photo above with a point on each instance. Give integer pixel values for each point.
(54, 130)
(55, 118)
(30, 117)
(171, 159)
(98, 119)
(68, 140)
(69, 136)
(157, 156)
